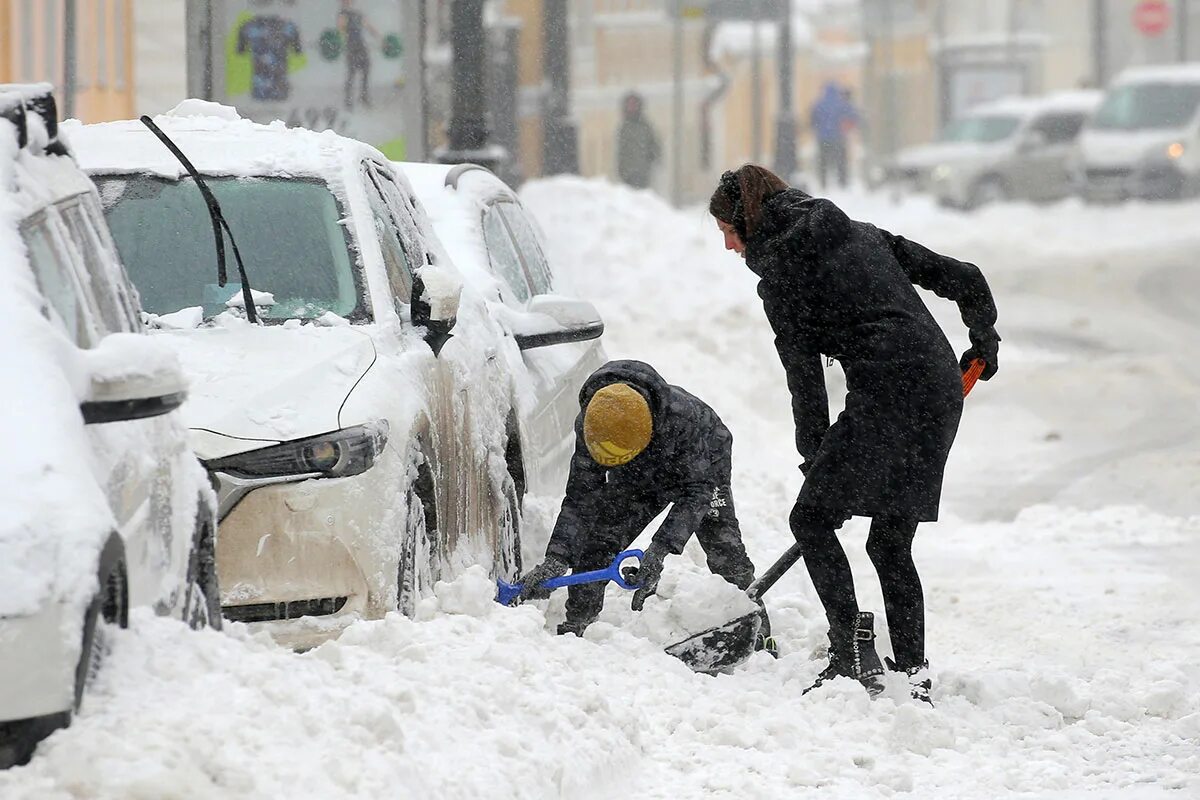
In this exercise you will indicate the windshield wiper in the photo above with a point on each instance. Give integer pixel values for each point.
(218, 221)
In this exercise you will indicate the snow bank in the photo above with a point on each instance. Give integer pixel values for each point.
(1059, 636)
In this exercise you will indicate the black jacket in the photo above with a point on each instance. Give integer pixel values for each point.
(831, 286)
(688, 457)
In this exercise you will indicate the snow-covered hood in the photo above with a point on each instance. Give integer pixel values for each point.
(928, 156)
(1116, 148)
(269, 384)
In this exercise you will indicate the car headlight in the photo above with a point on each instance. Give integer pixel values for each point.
(350, 451)
(1175, 150)
(942, 172)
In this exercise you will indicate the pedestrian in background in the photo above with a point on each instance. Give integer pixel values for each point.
(844, 289)
(833, 117)
(637, 144)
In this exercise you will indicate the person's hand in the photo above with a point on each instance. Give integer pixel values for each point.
(531, 581)
(645, 576)
(985, 342)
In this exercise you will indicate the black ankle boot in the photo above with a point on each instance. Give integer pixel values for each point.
(852, 655)
(919, 683)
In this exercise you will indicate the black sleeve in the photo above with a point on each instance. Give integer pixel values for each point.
(577, 512)
(805, 379)
(946, 277)
(686, 514)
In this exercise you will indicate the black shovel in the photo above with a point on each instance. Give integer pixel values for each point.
(722, 648)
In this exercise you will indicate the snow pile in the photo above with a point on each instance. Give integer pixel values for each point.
(1060, 635)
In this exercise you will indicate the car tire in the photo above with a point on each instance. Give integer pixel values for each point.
(986, 191)
(202, 598)
(109, 607)
(418, 562)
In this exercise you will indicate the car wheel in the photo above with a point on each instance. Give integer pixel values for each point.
(202, 599)
(109, 607)
(418, 564)
(989, 190)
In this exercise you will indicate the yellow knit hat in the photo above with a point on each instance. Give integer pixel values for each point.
(616, 425)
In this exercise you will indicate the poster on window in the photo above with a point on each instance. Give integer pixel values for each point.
(351, 66)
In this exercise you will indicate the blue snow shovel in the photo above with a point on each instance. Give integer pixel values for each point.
(507, 592)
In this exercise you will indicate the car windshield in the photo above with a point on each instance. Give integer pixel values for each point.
(1148, 106)
(287, 229)
(989, 128)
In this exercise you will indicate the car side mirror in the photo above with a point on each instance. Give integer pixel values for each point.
(436, 293)
(552, 319)
(131, 376)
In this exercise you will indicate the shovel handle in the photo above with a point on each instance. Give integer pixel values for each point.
(775, 572)
(974, 370)
(507, 592)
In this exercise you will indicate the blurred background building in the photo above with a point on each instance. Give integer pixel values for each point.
(552, 75)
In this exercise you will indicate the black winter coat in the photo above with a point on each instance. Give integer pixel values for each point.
(687, 458)
(844, 289)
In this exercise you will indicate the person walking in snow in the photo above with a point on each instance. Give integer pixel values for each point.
(832, 117)
(637, 144)
(642, 444)
(831, 286)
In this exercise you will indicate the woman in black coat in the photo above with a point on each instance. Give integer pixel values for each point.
(844, 290)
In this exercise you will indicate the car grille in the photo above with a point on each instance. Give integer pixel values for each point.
(268, 612)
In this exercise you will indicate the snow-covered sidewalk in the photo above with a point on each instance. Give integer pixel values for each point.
(1060, 582)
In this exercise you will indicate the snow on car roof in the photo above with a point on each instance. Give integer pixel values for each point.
(1079, 100)
(1166, 73)
(216, 140)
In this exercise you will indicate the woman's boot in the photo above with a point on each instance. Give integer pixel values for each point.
(852, 655)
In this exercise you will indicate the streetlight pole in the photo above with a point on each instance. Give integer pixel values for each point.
(677, 108)
(1182, 29)
(785, 124)
(467, 132)
(560, 150)
(69, 64)
(1100, 42)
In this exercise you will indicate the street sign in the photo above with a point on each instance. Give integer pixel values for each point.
(1152, 17)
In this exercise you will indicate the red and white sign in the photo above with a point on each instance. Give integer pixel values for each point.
(1152, 17)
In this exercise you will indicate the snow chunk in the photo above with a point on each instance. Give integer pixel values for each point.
(193, 107)
(260, 299)
(185, 319)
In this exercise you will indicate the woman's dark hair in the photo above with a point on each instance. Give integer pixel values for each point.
(740, 194)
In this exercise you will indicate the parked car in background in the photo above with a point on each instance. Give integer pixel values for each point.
(1144, 141)
(1012, 149)
(498, 246)
(348, 433)
(105, 506)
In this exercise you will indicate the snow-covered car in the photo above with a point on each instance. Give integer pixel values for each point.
(105, 506)
(1017, 148)
(554, 340)
(1144, 141)
(353, 465)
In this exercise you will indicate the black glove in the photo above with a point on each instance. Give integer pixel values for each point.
(984, 344)
(531, 582)
(645, 576)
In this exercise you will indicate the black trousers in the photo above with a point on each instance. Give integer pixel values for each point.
(889, 547)
(719, 535)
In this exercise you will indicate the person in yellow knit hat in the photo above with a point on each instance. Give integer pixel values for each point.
(642, 444)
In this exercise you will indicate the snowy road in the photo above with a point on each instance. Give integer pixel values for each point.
(1061, 580)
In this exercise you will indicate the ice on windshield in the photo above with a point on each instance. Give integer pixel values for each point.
(287, 230)
(1148, 106)
(984, 129)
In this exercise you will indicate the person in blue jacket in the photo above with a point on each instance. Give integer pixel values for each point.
(833, 116)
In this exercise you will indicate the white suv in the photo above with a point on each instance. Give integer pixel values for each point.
(105, 506)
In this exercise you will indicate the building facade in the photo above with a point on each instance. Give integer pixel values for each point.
(34, 48)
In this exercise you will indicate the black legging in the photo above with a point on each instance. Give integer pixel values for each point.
(889, 547)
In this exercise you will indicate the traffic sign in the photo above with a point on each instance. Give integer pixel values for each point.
(1152, 17)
